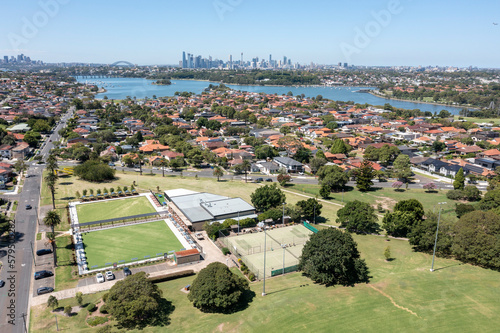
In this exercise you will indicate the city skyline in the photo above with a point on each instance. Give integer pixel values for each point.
(371, 33)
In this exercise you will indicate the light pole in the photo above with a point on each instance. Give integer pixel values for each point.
(264, 285)
(283, 220)
(437, 231)
(238, 222)
(314, 212)
(283, 246)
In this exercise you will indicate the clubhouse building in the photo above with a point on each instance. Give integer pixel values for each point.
(196, 208)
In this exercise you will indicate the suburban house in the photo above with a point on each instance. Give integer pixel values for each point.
(289, 164)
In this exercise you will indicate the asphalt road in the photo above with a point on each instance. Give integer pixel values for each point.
(17, 271)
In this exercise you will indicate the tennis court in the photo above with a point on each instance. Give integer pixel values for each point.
(283, 245)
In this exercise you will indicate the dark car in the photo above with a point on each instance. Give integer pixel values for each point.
(28, 207)
(44, 290)
(269, 180)
(258, 180)
(127, 271)
(43, 252)
(42, 274)
(2, 283)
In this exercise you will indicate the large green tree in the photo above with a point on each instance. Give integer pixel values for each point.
(95, 171)
(402, 168)
(331, 257)
(217, 289)
(268, 196)
(422, 235)
(218, 172)
(477, 239)
(333, 177)
(406, 214)
(137, 302)
(459, 182)
(358, 217)
(340, 147)
(310, 208)
(364, 175)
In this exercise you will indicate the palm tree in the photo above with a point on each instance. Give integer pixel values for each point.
(246, 167)
(218, 172)
(51, 180)
(51, 220)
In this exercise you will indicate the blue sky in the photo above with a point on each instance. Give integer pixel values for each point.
(458, 33)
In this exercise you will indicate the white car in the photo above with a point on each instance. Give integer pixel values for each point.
(110, 276)
(100, 277)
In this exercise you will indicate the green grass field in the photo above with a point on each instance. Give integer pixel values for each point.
(109, 209)
(126, 243)
(402, 296)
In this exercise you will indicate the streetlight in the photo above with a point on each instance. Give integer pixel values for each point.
(283, 220)
(283, 246)
(315, 211)
(265, 250)
(238, 222)
(435, 241)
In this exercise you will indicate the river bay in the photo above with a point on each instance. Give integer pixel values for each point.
(120, 88)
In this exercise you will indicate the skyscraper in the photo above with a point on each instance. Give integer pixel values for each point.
(230, 61)
(184, 61)
(6, 59)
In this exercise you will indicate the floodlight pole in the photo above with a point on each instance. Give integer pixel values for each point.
(435, 241)
(238, 222)
(283, 220)
(264, 285)
(283, 246)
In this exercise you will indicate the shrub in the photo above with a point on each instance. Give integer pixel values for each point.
(91, 307)
(455, 194)
(251, 276)
(103, 309)
(225, 251)
(67, 310)
(94, 321)
(105, 297)
(104, 329)
(94, 171)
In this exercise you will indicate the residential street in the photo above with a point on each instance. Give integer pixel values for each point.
(17, 271)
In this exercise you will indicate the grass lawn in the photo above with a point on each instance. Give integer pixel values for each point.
(66, 268)
(103, 210)
(481, 120)
(403, 296)
(387, 197)
(125, 243)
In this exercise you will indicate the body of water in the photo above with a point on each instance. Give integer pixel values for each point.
(120, 88)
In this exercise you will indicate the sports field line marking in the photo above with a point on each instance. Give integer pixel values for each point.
(393, 302)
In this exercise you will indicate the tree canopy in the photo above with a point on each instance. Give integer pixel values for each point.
(364, 175)
(94, 171)
(136, 301)
(331, 257)
(406, 214)
(358, 217)
(402, 168)
(217, 289)
(266, 197)
(477, 239)
(459, 182)
(332, 177)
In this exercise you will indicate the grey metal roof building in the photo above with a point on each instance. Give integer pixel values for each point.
(199, 208)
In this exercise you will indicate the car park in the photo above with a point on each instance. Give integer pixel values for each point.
(44, 290)
(42, 252)
(42, 274)
(110, 276)
(100, 277)
(127, 271)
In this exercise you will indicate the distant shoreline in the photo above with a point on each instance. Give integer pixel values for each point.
(420, 102)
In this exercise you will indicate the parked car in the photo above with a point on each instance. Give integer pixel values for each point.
(269, 180)
(111, 164)
(2, 283)
(42, 252)
(44, 290)
(42, 274)
(127, 271)
(100, 277)
(258, 180)
(110, 275)
(28, 207)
